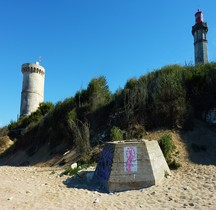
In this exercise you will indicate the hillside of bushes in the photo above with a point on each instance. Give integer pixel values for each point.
(171, 97)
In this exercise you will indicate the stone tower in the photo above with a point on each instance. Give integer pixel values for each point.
(32, 88)
(199, 31)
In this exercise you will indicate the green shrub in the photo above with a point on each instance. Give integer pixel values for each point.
(116, 134)
(167, 146)
(34, 117)
(135, 132)
(45, 107)
(174, 165)
(81, 98)
(4, 131)
(166, 174)
(69, 171)
(98, 93)
(81, 134)
(72, 115)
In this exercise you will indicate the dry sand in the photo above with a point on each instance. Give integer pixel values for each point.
(191, 187)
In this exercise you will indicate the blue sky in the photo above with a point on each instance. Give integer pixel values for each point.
(82, 39)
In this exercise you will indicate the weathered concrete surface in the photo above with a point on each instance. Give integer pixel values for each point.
(127, 165)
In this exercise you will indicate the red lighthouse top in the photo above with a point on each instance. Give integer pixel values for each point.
(199, 16)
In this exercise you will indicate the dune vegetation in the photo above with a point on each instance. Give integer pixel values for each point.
(170, 97)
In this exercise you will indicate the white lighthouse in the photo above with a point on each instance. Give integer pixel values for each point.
(32, 88)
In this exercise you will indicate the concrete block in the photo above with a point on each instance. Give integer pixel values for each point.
(128, 165)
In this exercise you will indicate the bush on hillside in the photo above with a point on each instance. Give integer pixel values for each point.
(34, 117)
(81, 134)
(98, 93)
(169, 97)
(167, 146)
(116, 134)
(81, 98)
(4, 131)
(156, 99)
(135, 131)
(201, 87)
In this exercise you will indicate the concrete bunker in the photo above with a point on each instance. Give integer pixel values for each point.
(129, 165)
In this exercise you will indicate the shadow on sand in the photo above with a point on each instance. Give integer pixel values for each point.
(201, 143)
(85, 180)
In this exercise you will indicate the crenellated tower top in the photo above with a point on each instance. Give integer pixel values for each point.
(33, 68)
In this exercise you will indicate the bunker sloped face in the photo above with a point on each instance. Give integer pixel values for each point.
(129, 165)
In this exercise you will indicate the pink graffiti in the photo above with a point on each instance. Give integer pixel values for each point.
(130, 154)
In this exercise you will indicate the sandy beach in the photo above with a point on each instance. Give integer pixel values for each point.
(191, 187)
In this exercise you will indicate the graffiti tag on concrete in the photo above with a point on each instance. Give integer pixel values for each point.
(105, 163)
(130, 159)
